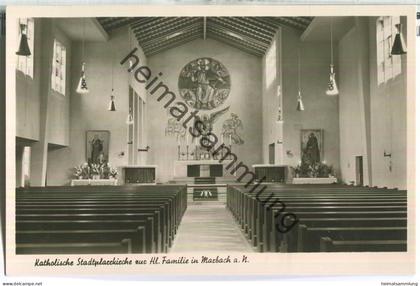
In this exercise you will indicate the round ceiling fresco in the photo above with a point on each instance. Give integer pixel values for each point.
(204, 83)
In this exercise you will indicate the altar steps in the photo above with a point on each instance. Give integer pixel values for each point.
(205, 180)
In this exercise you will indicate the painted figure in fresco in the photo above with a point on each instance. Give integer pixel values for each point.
(174, 128)
(201, 77)
(97, 148)
(204, 84)
(311, 152)
(230, 130)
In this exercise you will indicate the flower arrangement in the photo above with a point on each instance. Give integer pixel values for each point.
(82, 171)
(113, 173)
(314, 170)
(108, 172)
(95, 171)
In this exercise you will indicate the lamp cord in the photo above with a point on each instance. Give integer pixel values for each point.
(299, 69)
(331, 38)
(83, 40)
(26, 89)
(112, 74)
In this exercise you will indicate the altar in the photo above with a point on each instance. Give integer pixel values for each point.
(202, 168)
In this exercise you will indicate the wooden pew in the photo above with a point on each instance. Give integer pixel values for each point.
(288, 243)
(329, 245)
(115, 236)
(158, 210)
(44, 216)
(174, 215)
(164, 225)
(70, 225)
(151, 243)
(309, 237)
(257, 220)
(75, 248)
(247, 200)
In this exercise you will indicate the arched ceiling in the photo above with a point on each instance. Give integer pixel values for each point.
(250, 34)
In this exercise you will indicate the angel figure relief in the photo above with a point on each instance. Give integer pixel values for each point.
(231, 128)
(208, 121)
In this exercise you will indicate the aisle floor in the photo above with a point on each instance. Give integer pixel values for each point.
(209, 227)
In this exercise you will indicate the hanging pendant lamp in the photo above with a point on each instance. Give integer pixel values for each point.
(332, 84)
(23, 45)
(300, 106)
(332, 88)
(82, 87)
(399, 47)
(130, 61)
(130, 119)
(112, 102)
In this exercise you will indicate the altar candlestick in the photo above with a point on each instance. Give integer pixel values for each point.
(187, 152)
(230, 146)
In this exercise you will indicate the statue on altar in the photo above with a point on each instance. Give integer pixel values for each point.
(97, 147)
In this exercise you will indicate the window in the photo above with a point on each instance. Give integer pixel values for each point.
(58, 76)
(388, 66)
(25, 64)
(270, 65)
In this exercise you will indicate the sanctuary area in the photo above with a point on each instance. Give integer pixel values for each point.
(211, 134)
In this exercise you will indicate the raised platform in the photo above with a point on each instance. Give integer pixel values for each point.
(331, 180)
(206, 193)
(92, 182)
(181, 168)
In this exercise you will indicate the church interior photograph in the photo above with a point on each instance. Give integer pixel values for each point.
(211, 134)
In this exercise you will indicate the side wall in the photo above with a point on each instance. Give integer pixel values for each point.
(388, 121)
(354, 101)
(321, 111)
(272, 129)
(373, 118)
(90, 111)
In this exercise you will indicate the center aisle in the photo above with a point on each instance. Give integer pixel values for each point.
(209, 227)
